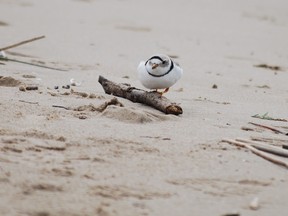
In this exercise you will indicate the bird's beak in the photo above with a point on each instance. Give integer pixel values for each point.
(154, 66)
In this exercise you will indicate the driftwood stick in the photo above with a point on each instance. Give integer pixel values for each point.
(269, 128)
(21, 43)
(267, 156)
(266, 147)
(153, 99)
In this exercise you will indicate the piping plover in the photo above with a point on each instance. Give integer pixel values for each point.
(159, 72)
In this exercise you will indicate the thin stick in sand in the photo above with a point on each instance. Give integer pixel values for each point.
(267, 156)
(37, 65)
(266, 147)
(29, 102)
(23, 62)
(62, 107)
(21, 43)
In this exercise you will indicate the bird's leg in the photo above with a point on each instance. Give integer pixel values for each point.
(165, 91)
(161, 93)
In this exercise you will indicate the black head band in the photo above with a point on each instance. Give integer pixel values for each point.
(161, 75)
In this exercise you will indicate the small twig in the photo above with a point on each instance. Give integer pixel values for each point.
(63, 107)
(247, 128)
(262, 154)
(29, 102)
(55, 148)
(269, 128)
(275, 141)
(271, 67)
(21, 43)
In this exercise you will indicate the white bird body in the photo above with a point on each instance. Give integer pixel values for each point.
(159, 72)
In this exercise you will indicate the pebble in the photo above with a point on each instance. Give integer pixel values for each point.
(254, 204)
(28, 88)
(2, 54)
(22, 88)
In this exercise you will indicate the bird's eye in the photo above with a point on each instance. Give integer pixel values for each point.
(164, 62)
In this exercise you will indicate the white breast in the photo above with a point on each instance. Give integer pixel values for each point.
(163, 82)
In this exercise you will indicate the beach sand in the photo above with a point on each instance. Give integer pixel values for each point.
(135, 160)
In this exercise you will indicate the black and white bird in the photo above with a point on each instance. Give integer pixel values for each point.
(159, 72)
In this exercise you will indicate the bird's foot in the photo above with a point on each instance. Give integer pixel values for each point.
(163, 92)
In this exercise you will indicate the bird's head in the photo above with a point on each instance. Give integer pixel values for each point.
(158, 64)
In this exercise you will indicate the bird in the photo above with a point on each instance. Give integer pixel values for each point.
(159, 72)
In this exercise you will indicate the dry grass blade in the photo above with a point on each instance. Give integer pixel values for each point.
(266, 117)
(28, 63)
(21, 43)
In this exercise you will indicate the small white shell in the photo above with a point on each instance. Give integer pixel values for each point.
(2, 54)
(74, 83)
(254, 204)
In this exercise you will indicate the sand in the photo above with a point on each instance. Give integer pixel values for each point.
(133, 159)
